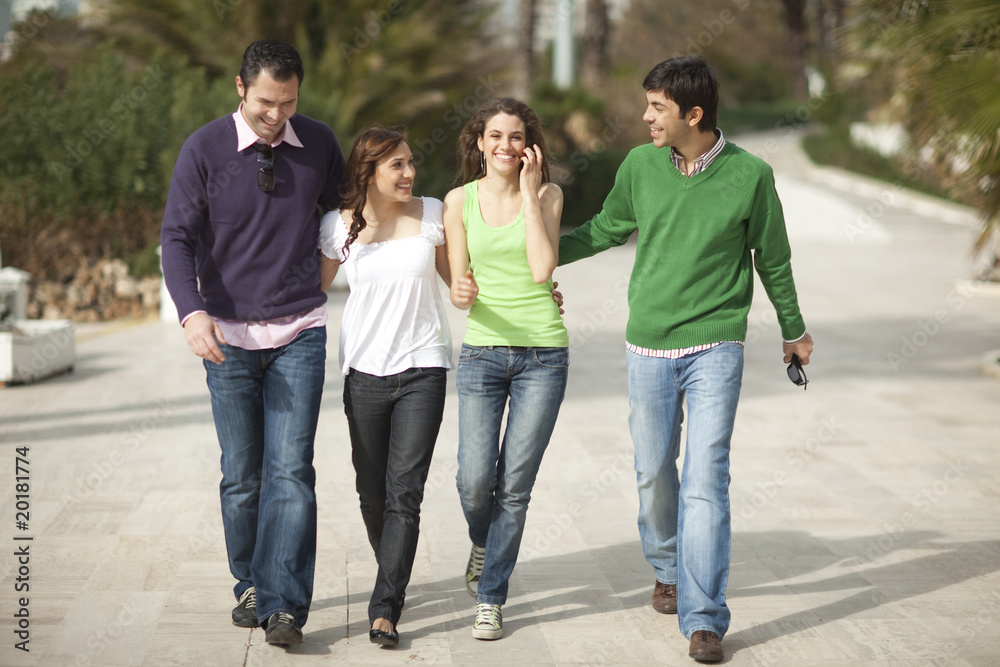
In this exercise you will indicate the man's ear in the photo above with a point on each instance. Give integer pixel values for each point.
(694, 116)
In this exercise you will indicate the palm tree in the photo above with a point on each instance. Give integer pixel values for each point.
(523, 71)
(595, 44)
(425, 64)
(398, 62)
(795, 21)
(943, 58)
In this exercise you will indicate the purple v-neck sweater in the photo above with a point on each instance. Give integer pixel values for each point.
(237, 252)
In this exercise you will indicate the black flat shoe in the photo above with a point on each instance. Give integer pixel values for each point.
(389, 639)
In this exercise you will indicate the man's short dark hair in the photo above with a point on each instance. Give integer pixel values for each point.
(690, 83)
(275, 57)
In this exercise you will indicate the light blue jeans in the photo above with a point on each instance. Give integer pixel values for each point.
(266, 406)
(684, 524)
(495, 478)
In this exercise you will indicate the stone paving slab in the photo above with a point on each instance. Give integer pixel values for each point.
(865, 510)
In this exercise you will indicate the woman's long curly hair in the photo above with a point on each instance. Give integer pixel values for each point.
(470, 158)
(369, 148)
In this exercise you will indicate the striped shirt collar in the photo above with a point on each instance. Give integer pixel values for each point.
(700, 163)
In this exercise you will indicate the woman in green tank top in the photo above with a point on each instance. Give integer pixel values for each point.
(502, 231)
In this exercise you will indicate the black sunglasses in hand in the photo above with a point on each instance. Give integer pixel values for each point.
(796, 374)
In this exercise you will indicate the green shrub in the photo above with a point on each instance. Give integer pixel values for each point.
(85, 175)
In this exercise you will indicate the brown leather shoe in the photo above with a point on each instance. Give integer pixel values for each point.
(665, 598)
(705, 646)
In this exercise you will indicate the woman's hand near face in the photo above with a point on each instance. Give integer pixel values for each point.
(531, 171)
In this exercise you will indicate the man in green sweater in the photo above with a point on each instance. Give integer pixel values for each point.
(706, 212)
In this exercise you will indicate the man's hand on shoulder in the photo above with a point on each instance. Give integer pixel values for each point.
(201, 333)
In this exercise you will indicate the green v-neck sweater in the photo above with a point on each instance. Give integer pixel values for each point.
(698, 236)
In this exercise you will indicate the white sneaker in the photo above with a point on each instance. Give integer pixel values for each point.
(474, 569)
(489, 622)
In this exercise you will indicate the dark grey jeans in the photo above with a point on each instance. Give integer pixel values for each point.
(394, 422)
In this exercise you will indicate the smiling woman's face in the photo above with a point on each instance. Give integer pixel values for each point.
(503, 142)
(393, 178)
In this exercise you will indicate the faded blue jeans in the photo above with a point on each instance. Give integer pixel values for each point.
(266, 406)
(685, 525)
(495, 477)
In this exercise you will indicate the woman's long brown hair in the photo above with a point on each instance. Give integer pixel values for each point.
(470, 157)
(369, 148)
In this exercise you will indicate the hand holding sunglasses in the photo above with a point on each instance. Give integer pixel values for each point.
(796, 374)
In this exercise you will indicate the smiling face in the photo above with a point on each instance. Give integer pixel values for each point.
(394, 174)
(503, 142)
(666, 125)
(268, 104)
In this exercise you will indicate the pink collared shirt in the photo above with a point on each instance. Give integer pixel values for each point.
(265, 334)
(245, 136)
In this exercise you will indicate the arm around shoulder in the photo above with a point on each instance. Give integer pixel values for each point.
(610, 228)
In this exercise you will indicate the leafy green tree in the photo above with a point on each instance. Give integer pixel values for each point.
(86, 173)
(395, 62)
(103, 104)
(938, 62)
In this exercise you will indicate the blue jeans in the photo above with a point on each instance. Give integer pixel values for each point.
(394, 422)
(685, 526)
(495, 478)
(266, 405)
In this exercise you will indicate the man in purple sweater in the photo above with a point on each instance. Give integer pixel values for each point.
(239, 241)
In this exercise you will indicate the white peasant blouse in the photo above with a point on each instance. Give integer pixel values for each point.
(394, 318)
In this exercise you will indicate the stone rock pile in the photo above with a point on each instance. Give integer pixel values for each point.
(97, 293)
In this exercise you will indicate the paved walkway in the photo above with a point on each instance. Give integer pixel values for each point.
(866, 509)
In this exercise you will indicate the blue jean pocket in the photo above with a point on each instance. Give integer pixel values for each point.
(470, 352)
(552, 357)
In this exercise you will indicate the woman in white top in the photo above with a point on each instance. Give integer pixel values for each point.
(395, 349)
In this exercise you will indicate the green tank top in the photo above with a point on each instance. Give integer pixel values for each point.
(511, 309)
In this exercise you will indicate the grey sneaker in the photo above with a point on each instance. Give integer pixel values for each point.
(489, 622)
(245, 611)
(474, 569)
(282, 630)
